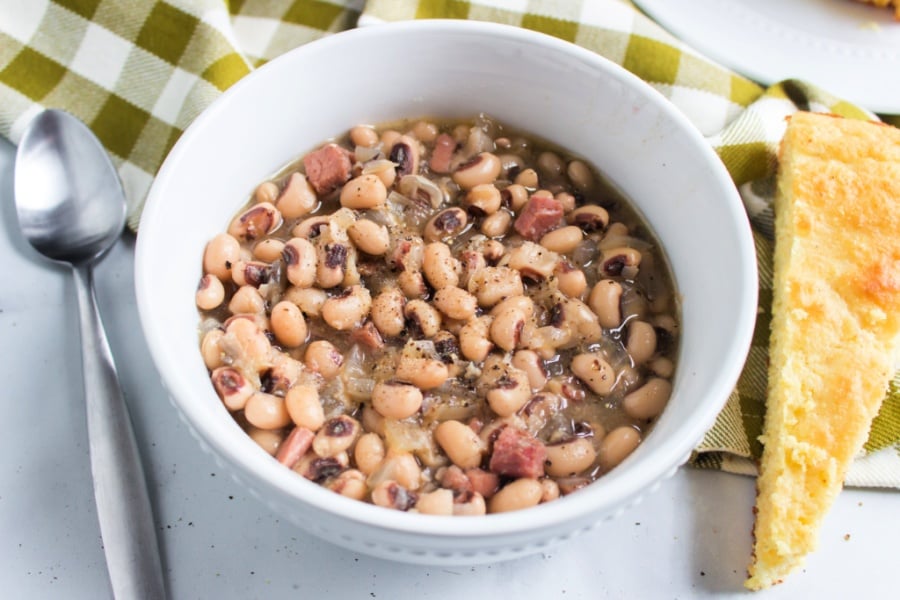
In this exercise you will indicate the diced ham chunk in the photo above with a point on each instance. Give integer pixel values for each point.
(483, 482)
(539, 215)
(444, 147)
(517, 454)
(327, 168)
(294, 446)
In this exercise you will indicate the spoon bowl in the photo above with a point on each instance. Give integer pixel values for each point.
(71, 209)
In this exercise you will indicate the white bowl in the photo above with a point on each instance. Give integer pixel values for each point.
(548, 87)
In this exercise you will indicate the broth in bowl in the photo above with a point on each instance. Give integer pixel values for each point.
(443, 316)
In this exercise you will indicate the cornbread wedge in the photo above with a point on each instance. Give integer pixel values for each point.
(885, 3)
(835, 325)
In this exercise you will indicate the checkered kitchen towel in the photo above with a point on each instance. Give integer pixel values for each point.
(138, 72)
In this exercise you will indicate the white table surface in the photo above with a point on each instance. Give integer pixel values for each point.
(690, 539)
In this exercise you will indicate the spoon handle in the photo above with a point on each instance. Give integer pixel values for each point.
(120, 491)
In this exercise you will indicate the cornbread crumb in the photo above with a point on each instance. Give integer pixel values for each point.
(835, 325)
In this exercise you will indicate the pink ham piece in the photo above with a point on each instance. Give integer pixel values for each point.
(517, 454)
(444, 147)
(539, 215)
(294, 446)
(327, 168)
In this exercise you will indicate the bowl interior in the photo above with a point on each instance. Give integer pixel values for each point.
(456, 69)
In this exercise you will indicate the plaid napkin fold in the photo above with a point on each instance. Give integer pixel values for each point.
(139, 71)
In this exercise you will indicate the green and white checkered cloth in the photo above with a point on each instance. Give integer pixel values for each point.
(139, 71)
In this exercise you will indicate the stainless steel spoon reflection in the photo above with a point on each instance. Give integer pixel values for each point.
(71, 208)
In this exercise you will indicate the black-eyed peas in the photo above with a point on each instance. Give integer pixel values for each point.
(445, 318)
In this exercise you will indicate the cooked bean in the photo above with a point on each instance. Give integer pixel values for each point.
(662, 366)
(211, 349)
(617, 445)
(441, 269)
(400, 467)
(569, 458)
(481, 168)
(323, 358)
(424, 317)
(266, 411)
(297, 198)
(336, 435)
(649, 400)
(483, 199)
(589, 218)
(304, 407)
(438, 502)
(605, 300)
(527, 178)
(220, 254)
(349, 309)
(364, 135)
(321, 468)
(490, 285)
(460, 443)
(244, 340)
(310, 228)
(506, 329)
(562, 240)
(425, 131)
(255, 222)
(566, 200)
(405, 154)
(533, 261)
(446, 225)
(232, 387)
(423, 373)
(252, 272)
(497, 224)
(515, 197)
(247, 300)
(288, 324)
(300, 262)
(369, 237)
(210, 292)
(531, 364)
(470, 504)
(511, 392)
(474, 340)
(369, 451)
(267, 191)
(363, 192)
(268, 440)
(387, 312)
(550, 489)
(268, 250)
(390, 494)
(593, 370)
(618, 261)
(331, 263)
(570, 280)
(641, 341)
(350, 484)
(580, 175)
(309, 300)
(521, 493)
(396, 400)
(412, 283)
(456, 303)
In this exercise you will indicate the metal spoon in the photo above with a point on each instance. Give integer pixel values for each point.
(71, 208)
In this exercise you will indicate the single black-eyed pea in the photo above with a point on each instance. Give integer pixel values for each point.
(310, 228)
(509, 320)
(267, 191)
(348, 309)
(515, 197)
(510, 393)
(550, 164)
(474, 338)
(412, 283)
(456, 303)
(266, 439)
(321, 468)
(268, 250)
(589, 218)
(288, 324)
(497, 224)
(396, 400)
(580, 175)
(570, 280)
(569, 458)
(307, 299)
(211, 349)
(369, 237)
(304, 407)
(364, 135)
(621, 261)
(517, 495)
(369, 451)
(527, 178)
(532, 261)
(247, 300)
(323, 358)
(390, 494)
(424, 317)
(606, 302)
(483, 199)
(372, 420)
(425, 131)
(446, 224)
(336, 435)
(533, 366)
(232, 387)
(255, 222)
(350, 483)
(297, 198)
(363, 192)
(562, 240)
(439, 266)
(331, 264)
(250, 272)
(649, 400)
(662, 366)
(438, 502)
(481, 168)
(469, 504)
(245, 340)
(423, 373)
(617, 445)
(595, 372)
(641, 341)
(387, 312)
(490, 285)
(400, 467)
(220, 254)
(550, 489)
(266, 411)
(461, 444)
(210, 292)
(567, 201)
(404, 153)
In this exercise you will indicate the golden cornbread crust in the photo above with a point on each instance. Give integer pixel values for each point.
(835, 325)
(884, 3)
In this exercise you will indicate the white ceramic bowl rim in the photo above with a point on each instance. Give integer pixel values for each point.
(627, 482)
